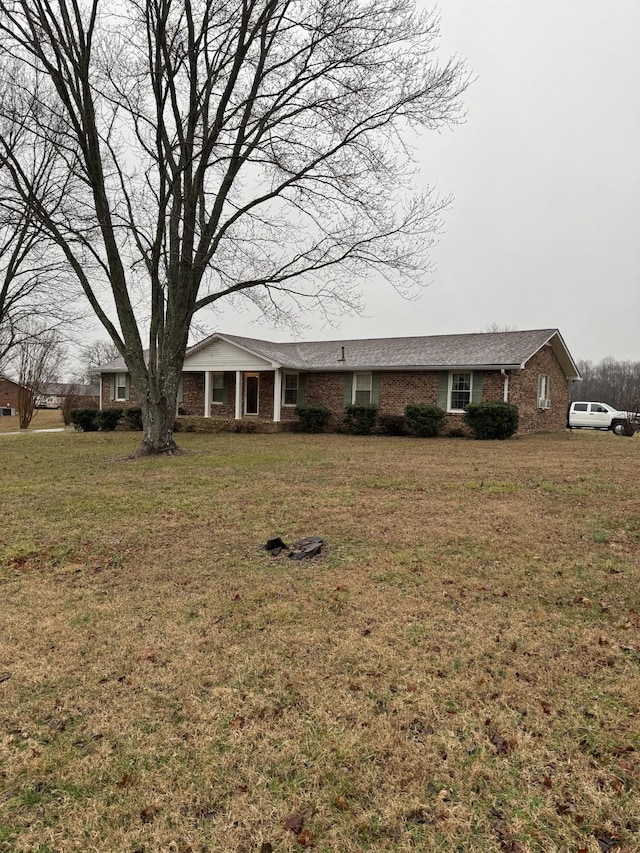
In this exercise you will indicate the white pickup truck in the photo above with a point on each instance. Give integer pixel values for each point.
(585, 415)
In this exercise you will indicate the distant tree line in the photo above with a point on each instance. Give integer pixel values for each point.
(609, 381)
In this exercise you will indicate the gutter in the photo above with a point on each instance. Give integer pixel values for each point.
(506, 385)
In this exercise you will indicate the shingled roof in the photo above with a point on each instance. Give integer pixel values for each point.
(480, 350)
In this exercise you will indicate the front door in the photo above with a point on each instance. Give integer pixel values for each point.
(251, 388)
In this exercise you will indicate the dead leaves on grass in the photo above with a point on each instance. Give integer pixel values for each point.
(148, 814)
(295, 824)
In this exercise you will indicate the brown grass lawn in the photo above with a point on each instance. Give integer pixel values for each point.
(42, 419)
(459, 670)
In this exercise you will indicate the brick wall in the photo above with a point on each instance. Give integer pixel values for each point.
(523, 391)
(108, 403)
(327, 389)
(9, 393)
(398, 390)
(192, 402)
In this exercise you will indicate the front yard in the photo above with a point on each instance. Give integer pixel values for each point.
(458, 671)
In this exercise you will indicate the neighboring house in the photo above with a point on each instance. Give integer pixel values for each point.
(243, 378)
(54, 394)
(9, 396)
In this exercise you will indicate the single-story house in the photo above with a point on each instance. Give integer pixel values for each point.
(54, 393)
(243, 378)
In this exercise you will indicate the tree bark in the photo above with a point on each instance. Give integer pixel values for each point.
(158, 417)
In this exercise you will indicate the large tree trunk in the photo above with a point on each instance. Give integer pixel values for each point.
(158, 417)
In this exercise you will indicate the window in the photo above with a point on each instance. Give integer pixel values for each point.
(543, 391)
(362, 388)
(121, 387)
(460, 395)
(579, 407)
(217, 388)
(290, 389)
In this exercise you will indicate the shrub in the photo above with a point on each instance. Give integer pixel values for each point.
(360, 418)
(313, 416)
(391, 425)
(456, 432)
(494, 419)
(423, 420)
(68, 404)
(108, 419)
(84, 420)
(133, 418)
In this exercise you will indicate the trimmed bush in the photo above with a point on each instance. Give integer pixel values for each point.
(84, 420)
(494, 419)
(108, 419)
(313, 417)
(360, 418)
(391, 425)
(133, 418)
(423, 420)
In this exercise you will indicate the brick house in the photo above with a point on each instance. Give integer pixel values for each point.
(9, 395)
(242, 378)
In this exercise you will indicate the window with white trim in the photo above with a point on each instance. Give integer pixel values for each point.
(217, 388)
(362, 383)
(460, 386)
(121, 387)
(290, 389)
(544, 401)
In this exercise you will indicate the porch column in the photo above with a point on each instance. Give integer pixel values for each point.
(277, 395)
(207, 394)
(238, 395)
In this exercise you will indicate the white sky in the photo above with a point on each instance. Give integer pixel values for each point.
(544, 230)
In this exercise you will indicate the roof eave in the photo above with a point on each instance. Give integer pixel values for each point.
(386, 368)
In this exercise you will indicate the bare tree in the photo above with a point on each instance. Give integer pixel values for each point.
(196, 150)
(38, 359)
(609, 381)
(31, 281)
(94, 356)
(494, 326)
(34, 277)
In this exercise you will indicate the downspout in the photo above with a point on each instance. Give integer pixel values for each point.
(506, 385)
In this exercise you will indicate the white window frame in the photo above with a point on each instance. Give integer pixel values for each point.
(544, 397)
(118, 385)
(289, 374)
(217, 384)
(355, 389)
(450, 390)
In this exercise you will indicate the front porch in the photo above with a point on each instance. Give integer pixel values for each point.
(268, 395)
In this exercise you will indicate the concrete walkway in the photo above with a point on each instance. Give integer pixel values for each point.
(31, 431)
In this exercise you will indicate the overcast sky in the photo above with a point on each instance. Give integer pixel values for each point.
(544, 230)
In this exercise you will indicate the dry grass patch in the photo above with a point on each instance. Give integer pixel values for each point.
(42, 419)
(459, 670)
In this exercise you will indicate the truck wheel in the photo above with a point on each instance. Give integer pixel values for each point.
(624, 428)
